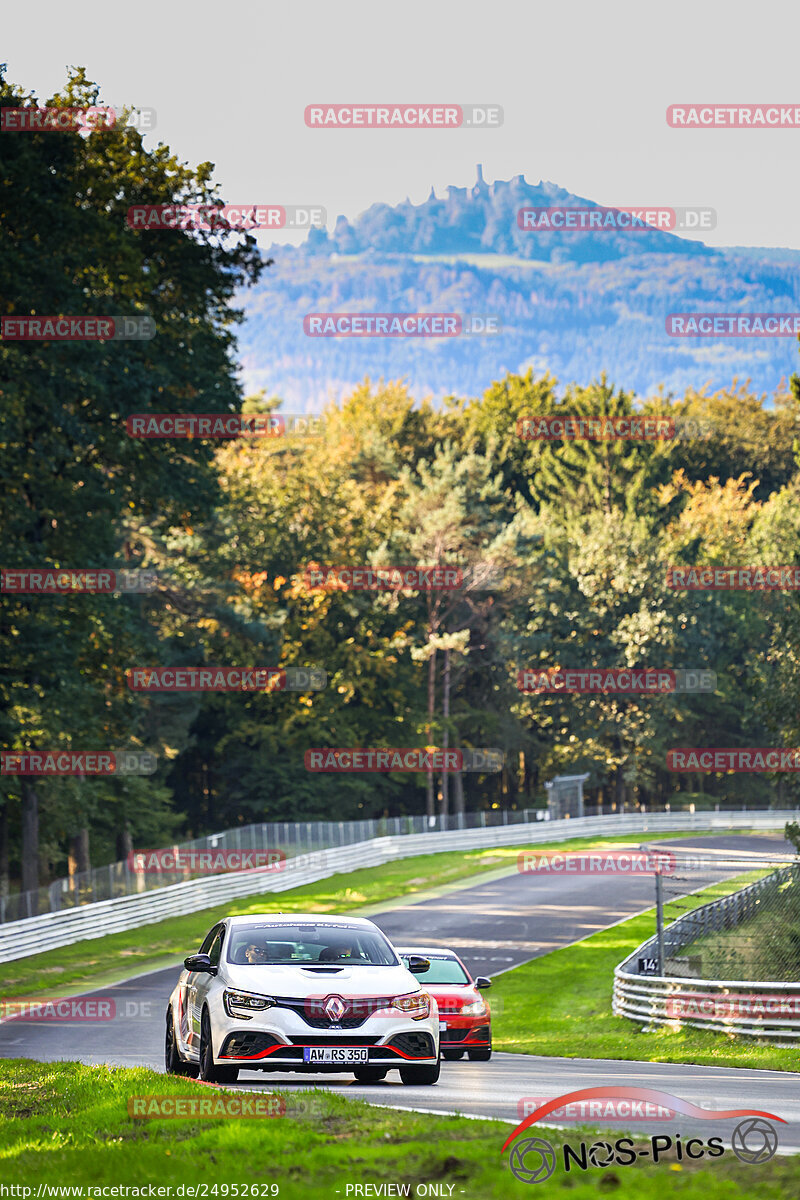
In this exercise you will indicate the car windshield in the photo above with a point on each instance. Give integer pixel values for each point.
(261, 944)
(441, 970)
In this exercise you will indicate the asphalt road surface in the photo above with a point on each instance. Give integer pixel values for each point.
(494, 926)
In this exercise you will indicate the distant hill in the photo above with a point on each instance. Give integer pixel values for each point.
(573, 303)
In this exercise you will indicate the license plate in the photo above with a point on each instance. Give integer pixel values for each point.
(335, 1054)
(442, 1025)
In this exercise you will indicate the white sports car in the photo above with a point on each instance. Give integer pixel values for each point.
(285, 992)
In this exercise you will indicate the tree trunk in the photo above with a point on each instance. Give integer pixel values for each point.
(429, 799)
(4, 850)
(79, 850)
(30, 843)
(458, 794)
(124, 844)
(445, 737)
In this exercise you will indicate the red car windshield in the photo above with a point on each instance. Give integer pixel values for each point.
(441, 970)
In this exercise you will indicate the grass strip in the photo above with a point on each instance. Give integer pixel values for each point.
(67, 1125)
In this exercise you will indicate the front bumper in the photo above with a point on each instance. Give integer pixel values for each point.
(256, 1050)
(466, 1034)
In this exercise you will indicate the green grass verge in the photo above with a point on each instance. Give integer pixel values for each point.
(67, 1125)
(560, 1004)
(101, 961)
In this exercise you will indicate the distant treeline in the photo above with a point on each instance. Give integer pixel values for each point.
(577, 537)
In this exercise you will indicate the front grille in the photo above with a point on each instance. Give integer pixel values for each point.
(245, 1045)
(326, 1023)
(317, 1040)
(312, 1010)
(453, 1035)
(419, 1045)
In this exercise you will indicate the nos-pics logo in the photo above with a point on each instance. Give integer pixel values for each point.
(533, 1159)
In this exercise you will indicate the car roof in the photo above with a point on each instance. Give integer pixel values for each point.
(300, 919)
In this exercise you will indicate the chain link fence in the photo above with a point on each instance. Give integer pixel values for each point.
(752, 934)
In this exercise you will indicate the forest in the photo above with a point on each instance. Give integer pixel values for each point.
(563, 549)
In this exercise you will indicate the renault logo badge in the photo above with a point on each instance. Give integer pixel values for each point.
(334, 1008)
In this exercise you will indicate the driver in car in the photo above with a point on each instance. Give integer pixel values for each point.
(255, 954)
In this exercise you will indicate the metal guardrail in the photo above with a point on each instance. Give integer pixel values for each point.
(754, 1009)
(292, 838)
(34, 935)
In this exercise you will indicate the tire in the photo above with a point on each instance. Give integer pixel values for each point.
(452, 1055)
(480, 1055)
(370, 1074)
(209, 1072)
(412, 1076)
(173, 1063)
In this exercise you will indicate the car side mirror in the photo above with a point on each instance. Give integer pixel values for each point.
(418, 965)
(482, 983)
(199, 962)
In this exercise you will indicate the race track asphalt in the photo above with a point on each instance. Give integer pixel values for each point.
(494, 926)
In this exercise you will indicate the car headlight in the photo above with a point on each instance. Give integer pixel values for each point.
(416, 1004)
(475, 1008)
(245, 1004)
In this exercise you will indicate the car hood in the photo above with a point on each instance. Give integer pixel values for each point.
(450, 997)
(303, 982)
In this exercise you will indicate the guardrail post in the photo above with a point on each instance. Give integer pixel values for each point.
(660, 922)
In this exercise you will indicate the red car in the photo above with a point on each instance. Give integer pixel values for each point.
(465, 1020)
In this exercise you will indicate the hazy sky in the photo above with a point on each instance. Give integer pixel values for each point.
(584, 87)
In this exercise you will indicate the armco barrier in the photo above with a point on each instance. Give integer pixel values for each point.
(731, 1005)
(20, 939)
